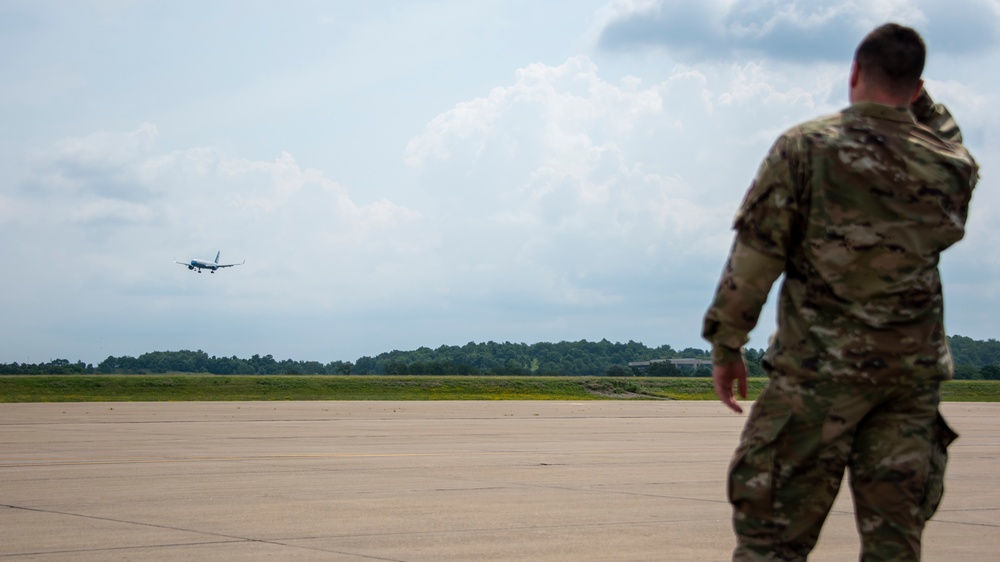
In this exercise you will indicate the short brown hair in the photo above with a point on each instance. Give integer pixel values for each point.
(892, 57)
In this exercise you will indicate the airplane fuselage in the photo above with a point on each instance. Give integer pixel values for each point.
(203, 264)
(206, 264)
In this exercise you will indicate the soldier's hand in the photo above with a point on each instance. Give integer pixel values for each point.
(724, 376)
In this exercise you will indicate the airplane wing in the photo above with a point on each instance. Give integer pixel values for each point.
(221, 265)
(182, 262)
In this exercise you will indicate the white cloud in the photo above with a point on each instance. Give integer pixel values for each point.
(565, 176)
(98, 164)
(104, 149)
(796, 30)
(110, 210)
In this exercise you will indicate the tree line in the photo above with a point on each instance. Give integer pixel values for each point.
(974, 359)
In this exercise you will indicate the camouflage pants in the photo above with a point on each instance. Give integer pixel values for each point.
(798, 440)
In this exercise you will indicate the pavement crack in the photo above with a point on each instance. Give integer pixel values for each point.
(228, 539)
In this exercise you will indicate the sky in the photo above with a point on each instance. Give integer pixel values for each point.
(400, 174)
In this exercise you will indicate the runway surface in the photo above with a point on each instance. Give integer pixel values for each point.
(416, 481)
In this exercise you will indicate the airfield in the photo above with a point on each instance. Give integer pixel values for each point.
(417, 481)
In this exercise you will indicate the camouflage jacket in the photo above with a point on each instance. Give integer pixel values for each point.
(854, 209)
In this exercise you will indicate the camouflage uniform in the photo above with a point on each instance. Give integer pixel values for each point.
(854, 209)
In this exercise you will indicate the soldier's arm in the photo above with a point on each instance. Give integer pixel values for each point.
(739, 298)
(765, 229)
(936, 116)
(743, 289)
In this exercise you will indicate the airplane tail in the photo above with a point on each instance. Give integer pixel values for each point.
(217, 254)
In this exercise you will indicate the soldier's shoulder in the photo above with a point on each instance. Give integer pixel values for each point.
(931, 140)
(829, 125)
(821, 130)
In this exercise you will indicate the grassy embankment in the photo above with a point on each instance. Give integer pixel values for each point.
(158, 388)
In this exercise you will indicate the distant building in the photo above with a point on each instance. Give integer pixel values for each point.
(683, 362)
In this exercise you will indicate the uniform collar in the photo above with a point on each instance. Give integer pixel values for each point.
(879, 111)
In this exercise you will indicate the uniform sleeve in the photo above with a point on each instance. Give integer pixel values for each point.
(937, 117)
(741, 294)
(766, 227)
(768, 218)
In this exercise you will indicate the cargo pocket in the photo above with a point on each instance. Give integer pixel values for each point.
(942, 436)
(752, 470)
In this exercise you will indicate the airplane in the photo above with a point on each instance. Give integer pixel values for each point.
(205, 264)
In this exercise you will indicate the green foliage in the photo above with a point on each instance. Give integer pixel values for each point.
(753, 358)
(967, 372)
(967, 351)
(663, 369)
(581, 358)
(990, 372)
(185, 361)
(974, 360)
(55, 367)
(618, 371)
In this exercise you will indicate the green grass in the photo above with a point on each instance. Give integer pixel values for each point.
(154, 388)
(159, 388)
(971, 391)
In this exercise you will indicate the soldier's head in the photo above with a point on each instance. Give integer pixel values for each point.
(887, 65)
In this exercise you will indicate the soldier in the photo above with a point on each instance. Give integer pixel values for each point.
(854, 209)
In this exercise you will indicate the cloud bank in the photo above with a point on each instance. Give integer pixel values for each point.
(573, 183)
(799, 30)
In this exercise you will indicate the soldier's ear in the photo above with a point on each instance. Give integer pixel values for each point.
(917, 92)
(853, 82)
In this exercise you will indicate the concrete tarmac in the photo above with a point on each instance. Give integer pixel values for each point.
(417, 481)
